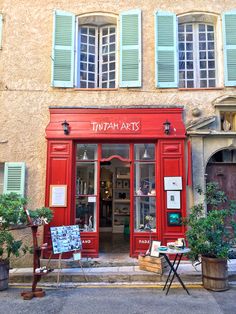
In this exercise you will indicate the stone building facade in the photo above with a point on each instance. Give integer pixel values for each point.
(31, 82)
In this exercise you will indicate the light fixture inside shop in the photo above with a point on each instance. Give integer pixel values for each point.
(146, 154)
(65, 126)
(85, 155)
(167, 127)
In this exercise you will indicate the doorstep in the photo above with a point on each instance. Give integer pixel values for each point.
(114, 274)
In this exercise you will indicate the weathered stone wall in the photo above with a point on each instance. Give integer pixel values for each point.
(25, 76)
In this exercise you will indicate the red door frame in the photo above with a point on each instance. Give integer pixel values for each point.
(116, 125)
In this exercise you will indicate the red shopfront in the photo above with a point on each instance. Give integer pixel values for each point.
(121, 171)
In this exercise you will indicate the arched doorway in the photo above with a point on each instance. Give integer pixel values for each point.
(221, 168)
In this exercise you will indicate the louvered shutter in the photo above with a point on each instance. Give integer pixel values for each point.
(229, 30)
(130, 49)
(14, 178)
(0, 31)
(63, 49)
(166, 50)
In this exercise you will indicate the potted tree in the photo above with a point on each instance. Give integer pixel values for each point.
(12, 217)
(211, 235)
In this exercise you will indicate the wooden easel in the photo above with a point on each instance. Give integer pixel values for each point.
(36, 292)
(59, 270)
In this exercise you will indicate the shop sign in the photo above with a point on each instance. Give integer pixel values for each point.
(119, 126)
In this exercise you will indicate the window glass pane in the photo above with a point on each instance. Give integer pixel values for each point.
(112, 30)
(91, 67)
(189, 65)
(91, 49)
(144, 179)
(104, 67)
(211, 73)
(202, 46)
(203, 74)
(92, 31)
(85, 178)
(105, 31)
(211, 64)
(112, 38)
(112, 76)
(92, 40)
(121, 150)
(86, 152)
(190, 84)
(190, 74)
(144, 151)
(84, 30)
(201, 27)
(112, 48)
(83, 84)
(202, 55)
(189, 28)
(85, 215)
(210, 36)
(104, 76)
(91, 58)
(84, 39)
(83, 57)
(112, 57)
(112, 66)
(83, 76)
(212, 83)
(202, 36)
(189, 37)
(91, 85)
(144, 214)
(112, 84)
(91, 77)
(83, 48)
(210, 28)
(83, 66)
(203, 83)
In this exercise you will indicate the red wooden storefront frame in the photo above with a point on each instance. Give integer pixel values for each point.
(136, 125)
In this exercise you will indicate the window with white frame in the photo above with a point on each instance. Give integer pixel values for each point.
(197, 64)
(97, 56)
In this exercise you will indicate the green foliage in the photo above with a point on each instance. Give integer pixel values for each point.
(214, 233)
(13, 216)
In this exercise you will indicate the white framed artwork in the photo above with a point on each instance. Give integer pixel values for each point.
(173, 183)
(173, 199)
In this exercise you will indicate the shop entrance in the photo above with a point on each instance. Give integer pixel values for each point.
(114, 219)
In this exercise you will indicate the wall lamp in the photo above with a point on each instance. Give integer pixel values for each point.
(65, 125)
(167, 127)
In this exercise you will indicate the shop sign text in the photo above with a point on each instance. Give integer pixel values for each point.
(116, 126)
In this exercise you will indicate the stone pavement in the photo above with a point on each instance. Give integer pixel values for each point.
(98, 272)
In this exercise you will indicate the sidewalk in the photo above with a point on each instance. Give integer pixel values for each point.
(113, 275)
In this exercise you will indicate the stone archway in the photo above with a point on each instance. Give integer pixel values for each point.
(221, 168)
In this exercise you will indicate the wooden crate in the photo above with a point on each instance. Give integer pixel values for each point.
(152, 264)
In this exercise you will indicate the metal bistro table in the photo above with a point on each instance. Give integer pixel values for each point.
(174, 266)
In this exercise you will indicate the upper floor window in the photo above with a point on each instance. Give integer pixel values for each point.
(197, 64)
(85, 50)
(190, 50)
(97, 57)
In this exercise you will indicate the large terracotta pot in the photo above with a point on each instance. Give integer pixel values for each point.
(215, 274)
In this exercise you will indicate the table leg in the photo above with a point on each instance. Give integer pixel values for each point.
(175, 272)
(171, 270)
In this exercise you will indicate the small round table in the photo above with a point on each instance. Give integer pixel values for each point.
(174, 266)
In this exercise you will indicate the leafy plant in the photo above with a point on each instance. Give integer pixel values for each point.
(211, 234)
(13, 216)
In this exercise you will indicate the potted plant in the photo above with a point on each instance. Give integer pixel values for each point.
(211, 235)
(12, 217)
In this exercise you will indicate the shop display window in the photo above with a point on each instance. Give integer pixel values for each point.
(86, 187)
(121, 150)
(144, 188)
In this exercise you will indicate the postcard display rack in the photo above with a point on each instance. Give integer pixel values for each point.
(121, 200)
(38, 271)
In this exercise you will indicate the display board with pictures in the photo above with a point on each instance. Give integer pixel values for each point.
(66, 239)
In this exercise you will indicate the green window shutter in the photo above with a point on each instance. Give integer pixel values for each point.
(130, 49)
(229, 30)
(0, 31)
(166, 50)
(63, 49)
(14, 178)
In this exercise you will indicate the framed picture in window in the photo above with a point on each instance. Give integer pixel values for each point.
(154, 248)
(174, 219)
